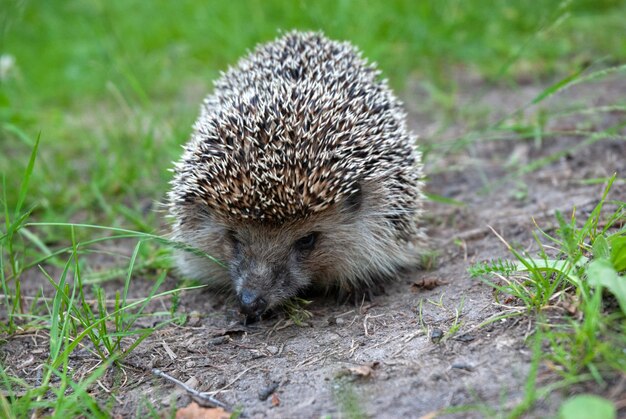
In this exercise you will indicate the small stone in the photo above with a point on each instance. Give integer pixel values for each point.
(219, 340)
(340, 321)
(268, 391)
(272, 349)
(465, 338)
(194, 319)
(436, 335)
(192, 382)
(462, 366)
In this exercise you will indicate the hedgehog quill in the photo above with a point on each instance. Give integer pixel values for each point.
(300, 172)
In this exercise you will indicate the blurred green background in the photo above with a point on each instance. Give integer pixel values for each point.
(112, 87)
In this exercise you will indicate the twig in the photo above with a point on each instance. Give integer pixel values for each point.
(369, 316)
(169, 351)
(232, 382)
(203, 399)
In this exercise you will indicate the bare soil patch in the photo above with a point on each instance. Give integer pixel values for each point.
(399, 355)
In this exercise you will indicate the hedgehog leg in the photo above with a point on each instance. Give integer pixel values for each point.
(247, 320)
(359, 295)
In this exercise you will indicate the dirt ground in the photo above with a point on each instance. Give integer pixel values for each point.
(400, 355)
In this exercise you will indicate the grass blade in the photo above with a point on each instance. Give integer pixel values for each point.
(27, 174)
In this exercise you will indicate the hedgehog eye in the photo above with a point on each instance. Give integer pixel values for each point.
(307, 242)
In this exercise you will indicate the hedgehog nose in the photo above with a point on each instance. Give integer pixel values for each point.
(251, 304)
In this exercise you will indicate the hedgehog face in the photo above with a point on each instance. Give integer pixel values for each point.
(347, 246)
(268, 265)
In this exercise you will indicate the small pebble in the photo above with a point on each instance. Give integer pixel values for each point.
(194, 319)
(272, 349)
(267, 391)
(462, 366)
(465, 338)
(436, 335)
(219, 340)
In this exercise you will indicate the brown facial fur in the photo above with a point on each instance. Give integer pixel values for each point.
(355, 248)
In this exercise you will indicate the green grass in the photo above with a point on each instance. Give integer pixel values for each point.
(97, 96)
(575, 288)
(113, 92)
(347, 399)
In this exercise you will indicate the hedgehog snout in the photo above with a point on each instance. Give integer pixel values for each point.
(251, 303)
(252, 278)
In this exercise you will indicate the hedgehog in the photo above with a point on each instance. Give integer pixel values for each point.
(300, 173)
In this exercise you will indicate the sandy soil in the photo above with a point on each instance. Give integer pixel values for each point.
(414, 350)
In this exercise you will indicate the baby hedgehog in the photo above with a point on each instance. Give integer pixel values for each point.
(300, 172)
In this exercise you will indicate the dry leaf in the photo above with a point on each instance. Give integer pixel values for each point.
(195, 411)
(275, 400)
(509, 299)
(426, 284)
(361, 370)
(364, 370)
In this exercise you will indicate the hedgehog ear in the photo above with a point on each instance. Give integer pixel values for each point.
(354, 200)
